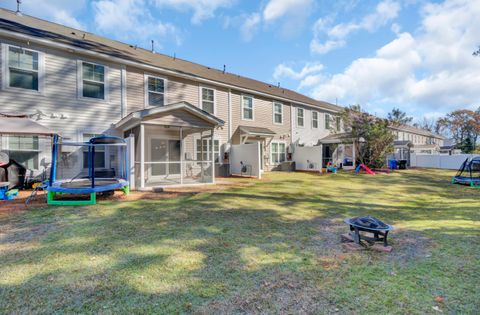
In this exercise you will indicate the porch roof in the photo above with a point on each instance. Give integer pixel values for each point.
(257, 131)
(335, 138)
(22, 126)
(182, 114)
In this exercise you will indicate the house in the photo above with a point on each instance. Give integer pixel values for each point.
(182, 118)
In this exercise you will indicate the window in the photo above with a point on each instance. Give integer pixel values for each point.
(314, 119)
(247, 107)
(208, 100)
(99, 152)
(93, 80)
(300, 114)
(23, 68)
(155, 91)
(278, 113)
(338, 123)
(327, 121)
(278, 151)
(24, 150)
(205, 145)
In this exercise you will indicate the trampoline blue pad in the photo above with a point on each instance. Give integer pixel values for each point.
(84, 186)
(464, 179)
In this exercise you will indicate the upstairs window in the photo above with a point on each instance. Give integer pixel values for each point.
(278, 113)
(338, 123)
(93, 80)
(300, 117)
(247, 107)
(315, 120)
(208, 100)
(327, 121)
(155, 91)
(23, 68)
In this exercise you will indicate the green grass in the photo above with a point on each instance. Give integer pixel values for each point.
(272, 246)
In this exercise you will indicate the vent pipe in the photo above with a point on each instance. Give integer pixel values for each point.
(19, 13)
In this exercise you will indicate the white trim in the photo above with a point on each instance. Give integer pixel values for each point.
(253, 107)
(149, 67)
(123, 86)
(318, 119)
(273, 112)
(80, 81)
(200, 97)
(6, 70)
(229, 116)
(303, 117)
(146, 91)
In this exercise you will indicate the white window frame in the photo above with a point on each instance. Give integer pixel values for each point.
(278, 151)
(5, 145)
(200, 98)
(80, 81)
(303, 117)
(338, 123)
(274, 113)
(253, 107)
(6, 70)
(146, 91)
(327, 121)
(196, 152)
(95, 133)
(317, 120)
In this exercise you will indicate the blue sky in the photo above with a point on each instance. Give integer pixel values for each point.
(411, 54)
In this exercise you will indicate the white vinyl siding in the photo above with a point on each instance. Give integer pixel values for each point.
(247, 107)
(314, 119)
(278, 152)
(277, 113)
(208, 100)
(155, 88)
(300, 117)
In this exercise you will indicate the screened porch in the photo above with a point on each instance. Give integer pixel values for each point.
(172, 146)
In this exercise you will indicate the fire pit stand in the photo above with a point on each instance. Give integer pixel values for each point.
(371, 225)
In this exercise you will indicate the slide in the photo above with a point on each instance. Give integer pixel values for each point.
(366, 168)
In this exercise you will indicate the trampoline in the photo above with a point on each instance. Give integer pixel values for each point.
(469, 173)
(87, 168)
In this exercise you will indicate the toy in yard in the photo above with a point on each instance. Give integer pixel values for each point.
(469, 173)
(331, 168)
(87, 168)
(12, 172)
(365, 168)
(5, 193)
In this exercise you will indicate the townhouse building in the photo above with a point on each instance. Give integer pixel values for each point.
(182, 117)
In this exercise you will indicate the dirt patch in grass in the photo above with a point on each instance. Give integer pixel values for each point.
(283, 293)
(409, 246)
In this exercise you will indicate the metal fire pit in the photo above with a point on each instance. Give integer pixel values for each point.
(371, 225)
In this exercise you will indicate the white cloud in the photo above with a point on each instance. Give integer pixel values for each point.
(385, 12)
(130, 20)
(250, 26)
(202, 9)
(430, 70)
(276, 9)
(284, 71)
(58, 11)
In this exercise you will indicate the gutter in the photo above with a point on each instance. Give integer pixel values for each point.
(73, 49)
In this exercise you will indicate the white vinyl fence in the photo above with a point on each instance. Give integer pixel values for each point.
(245, 159)
(452, 162)
(307, 158)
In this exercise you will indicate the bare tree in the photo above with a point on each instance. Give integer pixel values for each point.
(398, 117)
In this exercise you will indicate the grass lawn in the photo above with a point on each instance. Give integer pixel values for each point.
(270, 246)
